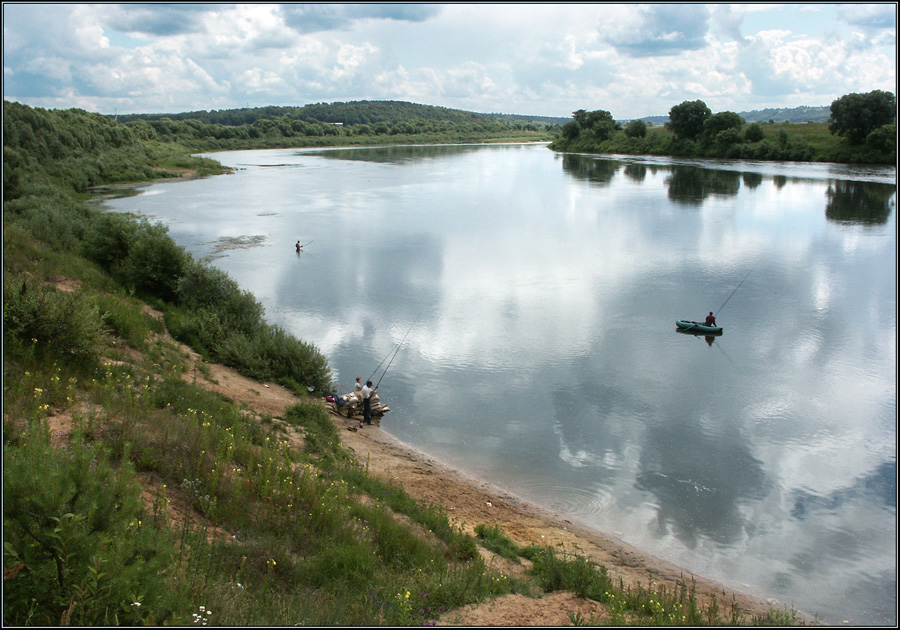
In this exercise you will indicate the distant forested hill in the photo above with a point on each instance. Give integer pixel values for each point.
(788, 115)
(392, 112)
(801, 114)
(350, 113)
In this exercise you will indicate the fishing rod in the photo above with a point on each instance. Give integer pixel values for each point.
(725, 354)
(395, 354)
(391, 351)
(735, 291)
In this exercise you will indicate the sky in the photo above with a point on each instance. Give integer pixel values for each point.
(541, 59)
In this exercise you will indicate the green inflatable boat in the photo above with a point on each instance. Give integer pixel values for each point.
(697, 327)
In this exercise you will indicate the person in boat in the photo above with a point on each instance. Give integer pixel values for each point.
(710, 319)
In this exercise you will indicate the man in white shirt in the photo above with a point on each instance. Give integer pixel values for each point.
(367, 403)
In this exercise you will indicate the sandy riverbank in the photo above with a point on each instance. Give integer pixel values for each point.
(470, 502)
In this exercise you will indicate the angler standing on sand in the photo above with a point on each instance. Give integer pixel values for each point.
(367, 403)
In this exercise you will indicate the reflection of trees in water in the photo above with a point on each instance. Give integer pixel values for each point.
(636, 172)
(691, 185)
(590, 169)
(752, 180)
(865, 203)
(396, 154)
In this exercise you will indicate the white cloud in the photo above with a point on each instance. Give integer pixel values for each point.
(550, 59)
(152, 19)
(259, 80)
(657, 29)
(350, 59)
(309, 18)
(878, 16)
(779, 65)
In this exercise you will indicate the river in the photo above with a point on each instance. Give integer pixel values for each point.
(537, 294)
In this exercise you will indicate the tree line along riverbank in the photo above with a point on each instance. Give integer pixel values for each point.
(862, 130)
(108, 436)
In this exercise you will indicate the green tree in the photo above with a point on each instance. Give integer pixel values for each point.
(720, 122)
(754, 133)
(571, 130)
(855, 116)
(636, 129)
(883, 139)
(728, 137)
(603, 130)
(596, 117)
(580, 117)
(687, 119)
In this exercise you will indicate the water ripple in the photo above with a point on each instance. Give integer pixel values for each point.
(575, 502)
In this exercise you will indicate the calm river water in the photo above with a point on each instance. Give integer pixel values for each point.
(539, 293)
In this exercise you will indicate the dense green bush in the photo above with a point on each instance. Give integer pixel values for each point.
(109, 240)
(728, 137)
(754, 133)
(154, 263)
(52, 216)
(636, 129)
(77, 544)
(883, 140)
(41, 319)
(576, 573)
(272, 354)
(206, 287)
